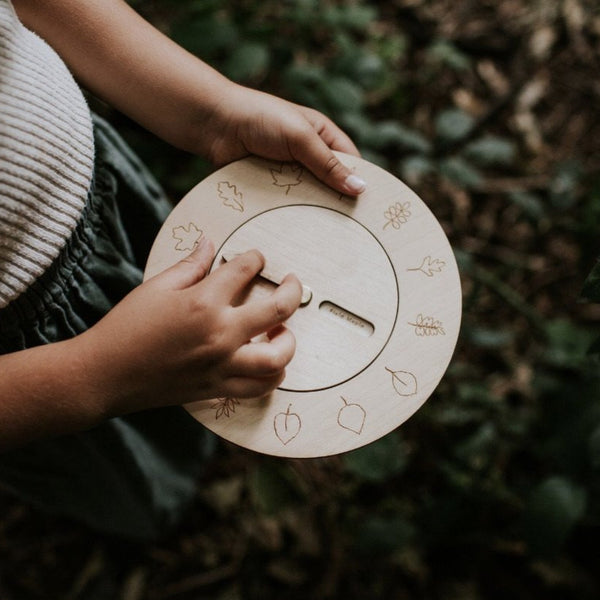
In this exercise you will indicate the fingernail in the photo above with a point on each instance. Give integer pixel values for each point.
(354, 184)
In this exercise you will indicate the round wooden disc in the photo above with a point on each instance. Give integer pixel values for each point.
(380, 314)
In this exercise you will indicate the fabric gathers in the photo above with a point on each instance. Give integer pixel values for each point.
(46, 155)
(78, 215)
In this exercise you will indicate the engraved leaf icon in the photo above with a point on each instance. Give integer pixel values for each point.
(351, 416)
(405, 383)
(187, 237)
(230, 196)
(397, 214)
(287, 426)
(427, 326)
(225, 406)
(287, 176)
(430, 266)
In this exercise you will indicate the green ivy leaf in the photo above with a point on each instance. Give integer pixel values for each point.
(392, 134)
(352, 16)
(446, 53)
(383, 534)
(302, 75)
(247, 61)
(563, 188)
(591, 286)
(553, 509)
(378, 461)
(414, 168)
(359, 126)
(491, 150)
(273, 488)
(476, 449)
(530, 204)
(342, 94)
(369, 70)
(376, 158)
(568, 343)
(205, 35)
(458, 170)
(484, 337)
(304, 83)
(594, 447)
(453, 124)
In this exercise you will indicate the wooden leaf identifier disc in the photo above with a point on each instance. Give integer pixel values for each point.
(381, 303)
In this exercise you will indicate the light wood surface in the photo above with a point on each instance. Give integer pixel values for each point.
(381, 304)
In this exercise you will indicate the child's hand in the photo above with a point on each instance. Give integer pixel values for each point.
(252, 122)
(181, 337)
(123, 59)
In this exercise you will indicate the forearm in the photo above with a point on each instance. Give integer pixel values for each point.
(45, 391)
(124, 60)
(128, 63)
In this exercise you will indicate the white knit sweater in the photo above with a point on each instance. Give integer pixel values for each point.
(46, 155)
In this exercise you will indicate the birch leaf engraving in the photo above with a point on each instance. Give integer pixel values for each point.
(287, 426)
(430, 266)
(187, 237)
(351, 416)
(427, 326)
(287, 177)
(230, 196)
(404, 383)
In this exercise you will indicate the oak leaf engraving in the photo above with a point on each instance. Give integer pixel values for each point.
(187, 237)
(230, 195)
(288, 175)
(430, 266)
(427, 326)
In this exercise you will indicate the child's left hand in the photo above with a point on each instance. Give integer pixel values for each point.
(128, 63)
(252, 122)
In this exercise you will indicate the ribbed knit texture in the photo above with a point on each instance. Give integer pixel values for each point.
(46, 155)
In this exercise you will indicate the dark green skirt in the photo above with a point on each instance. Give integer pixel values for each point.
(130, 476)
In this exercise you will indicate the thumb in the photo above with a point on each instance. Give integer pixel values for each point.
(318, 157)
(189, 270)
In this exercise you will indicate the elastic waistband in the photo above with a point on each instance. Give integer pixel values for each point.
(48, 288)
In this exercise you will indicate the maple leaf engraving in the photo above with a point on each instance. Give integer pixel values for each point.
(230, 195)
(287, 176)
(187, 237)
(430, 266)
(427, 326)
(224, 406)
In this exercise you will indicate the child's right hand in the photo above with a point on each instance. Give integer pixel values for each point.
(183, 336)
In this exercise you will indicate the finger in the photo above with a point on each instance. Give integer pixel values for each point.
(264, 358)
(190, 270)
(230, 279)
(329, 132)
(247, 387)
(310, 149)
(264, 314)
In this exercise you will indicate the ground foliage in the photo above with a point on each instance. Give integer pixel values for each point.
(490, 111)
